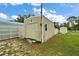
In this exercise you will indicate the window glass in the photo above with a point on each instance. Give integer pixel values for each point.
(45, 27)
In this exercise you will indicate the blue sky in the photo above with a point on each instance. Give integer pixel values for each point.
(58, 12)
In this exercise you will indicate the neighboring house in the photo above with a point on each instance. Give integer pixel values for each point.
(37, 29)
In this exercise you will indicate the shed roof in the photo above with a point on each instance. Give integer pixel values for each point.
(38, 17)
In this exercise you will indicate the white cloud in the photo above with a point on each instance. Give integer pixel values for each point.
(13, 4)
(5, 4)
(14, 16)
(25, 10)
(38, 11)
(6, 17)
(35, 4)
(50, 16)
(56, 18)
(3, 16)
(16, 4)
(71, 6)
(40, 1)
(52, 11)
(67, 5)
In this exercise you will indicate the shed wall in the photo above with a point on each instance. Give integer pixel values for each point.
(39, 32)
(32, 28)
(56, 31)
(63, 30)
(50, 29)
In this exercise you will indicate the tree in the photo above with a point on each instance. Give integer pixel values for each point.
(76, 27)
(56, 24)
(71, 20)
(22, 18)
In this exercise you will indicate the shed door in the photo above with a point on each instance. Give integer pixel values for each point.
(32, 31)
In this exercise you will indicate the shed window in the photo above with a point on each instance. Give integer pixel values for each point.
(45, 27)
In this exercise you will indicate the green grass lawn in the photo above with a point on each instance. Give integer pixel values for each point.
(59, 45)
(65, 45)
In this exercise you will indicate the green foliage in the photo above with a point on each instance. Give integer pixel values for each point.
(71, 18)
(65, 45)
(56, 24)
(22, 18)
(74, 26)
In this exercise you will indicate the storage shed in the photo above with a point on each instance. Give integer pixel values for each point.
(56, 31)
(37, 29)
(63, 30)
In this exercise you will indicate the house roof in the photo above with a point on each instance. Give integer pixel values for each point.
(37, 17)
